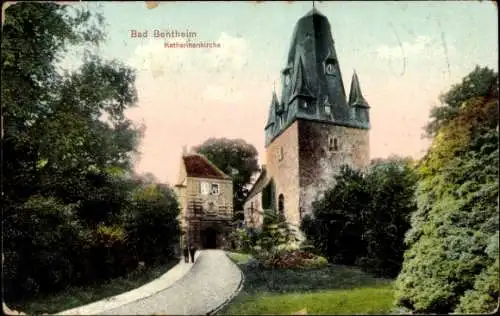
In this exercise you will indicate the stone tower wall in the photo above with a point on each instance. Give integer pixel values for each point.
(320, 161)
(285, 171)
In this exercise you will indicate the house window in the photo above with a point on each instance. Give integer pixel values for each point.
(215, 189)
(205, 188)
(306, 104)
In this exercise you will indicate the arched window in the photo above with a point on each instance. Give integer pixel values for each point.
(281, 204)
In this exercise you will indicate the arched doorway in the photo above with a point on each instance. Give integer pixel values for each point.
(281, 204)
(210, 238)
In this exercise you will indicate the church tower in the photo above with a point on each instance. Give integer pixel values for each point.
(314, 129)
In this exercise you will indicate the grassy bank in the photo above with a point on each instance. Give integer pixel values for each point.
(331, 290)
(77, 296)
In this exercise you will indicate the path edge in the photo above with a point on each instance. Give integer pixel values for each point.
(214, 311)
(74, 311)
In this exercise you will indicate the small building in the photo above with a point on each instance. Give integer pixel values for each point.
(205, 195)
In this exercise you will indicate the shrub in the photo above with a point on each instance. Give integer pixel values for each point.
(294, 260)
(42, 231)
(151, 224)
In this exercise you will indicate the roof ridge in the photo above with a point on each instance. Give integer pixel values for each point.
(211, 164)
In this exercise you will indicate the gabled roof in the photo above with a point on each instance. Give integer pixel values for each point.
(262, 181)
(198, 166)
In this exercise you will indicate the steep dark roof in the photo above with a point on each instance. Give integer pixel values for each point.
(198, 166)
(272, 110)
(313, 79)
(355, 96)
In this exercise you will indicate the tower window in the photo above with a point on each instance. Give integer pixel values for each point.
(328, 109)
(281, 204)
(333, 144)
(280, 153)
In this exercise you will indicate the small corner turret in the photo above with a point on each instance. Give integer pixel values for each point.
(360, 110)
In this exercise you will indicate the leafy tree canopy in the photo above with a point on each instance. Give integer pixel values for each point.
(453, 240)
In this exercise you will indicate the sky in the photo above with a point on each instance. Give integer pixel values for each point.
(405, 54)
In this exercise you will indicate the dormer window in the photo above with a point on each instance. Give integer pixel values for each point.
(328, 110)
(286, 76)
(281, 121)
(287, 80)
(330, 67)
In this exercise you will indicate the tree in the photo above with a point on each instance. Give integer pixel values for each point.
(362, 220)
(67, 151)
(151, 223)
(478, 83)
(236, 158)
(453, 241)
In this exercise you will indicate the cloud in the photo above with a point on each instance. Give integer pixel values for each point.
(421, 46)
(231, 55)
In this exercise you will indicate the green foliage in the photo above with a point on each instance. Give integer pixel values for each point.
(452, 261)
(476, 84)
(269, 242)
(363, 218)
(236, 158)
(151, 224)
(32, 262)
(70, 213)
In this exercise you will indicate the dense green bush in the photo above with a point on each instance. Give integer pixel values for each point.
(151, 223)
(42, 241)
(452, 261)
(363, 218)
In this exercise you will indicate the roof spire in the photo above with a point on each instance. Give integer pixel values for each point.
(355, 96)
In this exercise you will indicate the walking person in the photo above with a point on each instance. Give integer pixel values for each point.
(192, 252)
(186, 254)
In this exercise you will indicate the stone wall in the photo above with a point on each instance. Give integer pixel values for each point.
(282, 157)
(253, 211)
(324, 148)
